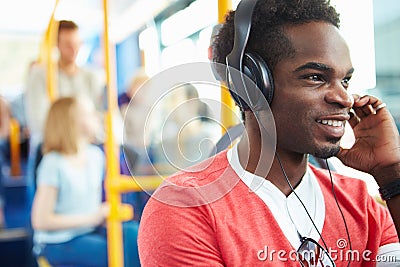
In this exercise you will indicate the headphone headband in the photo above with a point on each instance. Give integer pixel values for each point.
(248, 64)
(243, 17)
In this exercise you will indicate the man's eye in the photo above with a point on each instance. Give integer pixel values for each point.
(346, 81)
(314, 78)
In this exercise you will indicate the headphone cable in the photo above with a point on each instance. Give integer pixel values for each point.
(258, 118)
(341, 212)
(301, 202)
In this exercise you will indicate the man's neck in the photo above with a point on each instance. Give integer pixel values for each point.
(68, 68)
(255, 161)
(293, 165)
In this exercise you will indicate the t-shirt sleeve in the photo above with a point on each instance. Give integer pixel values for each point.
(384, 221)
(97, 157)
(48, 171)
(177, 236)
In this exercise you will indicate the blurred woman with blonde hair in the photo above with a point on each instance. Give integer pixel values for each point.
(67, 209)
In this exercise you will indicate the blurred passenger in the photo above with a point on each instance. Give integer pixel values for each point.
(72, 80)
(5, 117)
(134, 107)
(67, 209)
(185, 134)
(134, 119)
(4, 133)
(18, 107)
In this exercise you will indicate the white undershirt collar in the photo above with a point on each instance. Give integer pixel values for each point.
(308, 190)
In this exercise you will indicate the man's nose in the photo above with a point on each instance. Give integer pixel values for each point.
(337, 94)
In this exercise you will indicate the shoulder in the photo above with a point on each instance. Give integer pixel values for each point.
(51, 159)
(200, 185)
(351, 192)
(201, 173)
(37, 72)
(95, 152)
(50, 168)
(184, 194)
(88, 73)
(38, 69)
(361, 210)
(342, 181)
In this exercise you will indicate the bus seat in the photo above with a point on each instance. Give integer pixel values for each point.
(131, 158)
(227, 139)
(42, 262)
(15, 247)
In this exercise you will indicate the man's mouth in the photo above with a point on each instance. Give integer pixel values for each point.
(334, 123)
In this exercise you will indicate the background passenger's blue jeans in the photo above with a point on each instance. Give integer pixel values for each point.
(91, 249)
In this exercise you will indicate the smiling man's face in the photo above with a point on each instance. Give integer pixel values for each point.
(311, 102)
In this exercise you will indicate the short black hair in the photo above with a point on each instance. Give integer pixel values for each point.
(267, 37)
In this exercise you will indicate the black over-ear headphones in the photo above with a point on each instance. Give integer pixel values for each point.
(250, 64)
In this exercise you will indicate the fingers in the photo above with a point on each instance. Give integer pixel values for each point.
(356, 97)
(366, 105)
(363, 107)
(359, 102)
(360, 112)
(354, 120)
(383, 105)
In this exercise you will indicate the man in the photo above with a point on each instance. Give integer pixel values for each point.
(268, 225)
(71, 80)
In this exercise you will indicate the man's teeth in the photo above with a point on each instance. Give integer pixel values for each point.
(334, 123)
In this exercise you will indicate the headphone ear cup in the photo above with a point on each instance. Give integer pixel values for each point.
(258, 71)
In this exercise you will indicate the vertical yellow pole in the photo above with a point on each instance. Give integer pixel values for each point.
(15, 148)
(51, 67)
(114, 227)
(49, 44)
(228, 105)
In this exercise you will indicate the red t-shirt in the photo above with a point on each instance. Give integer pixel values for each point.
(211, 218)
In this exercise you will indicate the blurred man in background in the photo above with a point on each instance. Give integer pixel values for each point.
(72, 80)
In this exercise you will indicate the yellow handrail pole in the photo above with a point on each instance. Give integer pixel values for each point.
(50, 43)
(227, 103)
(141, 183)
(15, 148)
(51, 68)
(114, 227)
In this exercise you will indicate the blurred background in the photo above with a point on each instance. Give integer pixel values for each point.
(164, 33)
